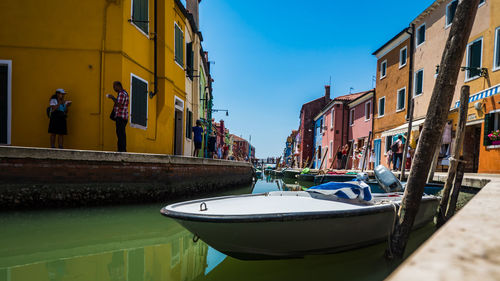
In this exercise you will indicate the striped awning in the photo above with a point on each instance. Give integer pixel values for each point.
(481, 95)
(403, 128)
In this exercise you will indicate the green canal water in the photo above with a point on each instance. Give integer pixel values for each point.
(137, 243)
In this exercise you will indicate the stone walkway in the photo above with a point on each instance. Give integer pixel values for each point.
(465, 248)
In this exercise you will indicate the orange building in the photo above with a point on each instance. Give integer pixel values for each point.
(391, 95)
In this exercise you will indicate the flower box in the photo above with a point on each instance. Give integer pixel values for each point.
(496, 142)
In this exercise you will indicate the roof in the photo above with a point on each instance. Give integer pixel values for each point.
(236, 138)
(427, 11)
(350, 97)
(362, 97)
(397, 38)
(311, 102)
(344, 98)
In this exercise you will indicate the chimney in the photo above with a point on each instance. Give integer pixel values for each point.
(192, 7)
(327, 93)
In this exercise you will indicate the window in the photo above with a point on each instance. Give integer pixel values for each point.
(140, 15)
(321, 126)
(420, 35)
(331, 149)
(474, 58)
(419, 82)
(179, 46)
(403, 54)
(491, 124)
(351, 117)
(189, 124)
(138, 102)
(381, 107)
(388, 143)
(189, 60)
(400, 105)
(331, 119)
(383, 69)
(496, 56)
(368, 110)
(450, 12)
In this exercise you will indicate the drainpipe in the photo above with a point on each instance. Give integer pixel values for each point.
(102, 68)
(155, 40)
(410, 30)
(343, 113)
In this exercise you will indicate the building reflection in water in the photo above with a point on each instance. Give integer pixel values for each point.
(179, 258)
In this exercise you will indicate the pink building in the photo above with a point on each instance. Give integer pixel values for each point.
(360, 125)
(335, 131)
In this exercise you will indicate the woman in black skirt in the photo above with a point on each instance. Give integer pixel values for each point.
(58, 112)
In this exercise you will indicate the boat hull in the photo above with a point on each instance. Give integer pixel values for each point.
(292, 235)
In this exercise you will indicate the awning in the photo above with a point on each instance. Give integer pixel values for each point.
(403, 128)
(481, 95)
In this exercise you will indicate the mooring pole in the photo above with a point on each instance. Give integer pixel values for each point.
(367, 148)
(407, 142)
(457, 148)
(452, 205)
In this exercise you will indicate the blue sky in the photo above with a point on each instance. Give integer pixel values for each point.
(270, 57)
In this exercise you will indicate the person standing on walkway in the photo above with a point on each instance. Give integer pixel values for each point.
(197, 131)
(339, 158)
(398, 156)
(121, 114)
(57, 112)
(345, 150)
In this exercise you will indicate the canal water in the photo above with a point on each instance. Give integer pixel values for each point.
(137, 243)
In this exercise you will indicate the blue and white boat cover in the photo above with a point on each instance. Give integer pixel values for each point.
(345, 190)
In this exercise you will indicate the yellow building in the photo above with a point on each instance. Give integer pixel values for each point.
(480, 64)
(83, 47)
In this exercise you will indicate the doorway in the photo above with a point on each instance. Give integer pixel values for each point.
(376, 146)
(472, 142)
(178, 132)
(5, 101)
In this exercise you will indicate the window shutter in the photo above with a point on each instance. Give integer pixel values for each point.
(475, 58)
(189, 59)
(488, 127)
(139, 102)
(179, 42)
(140, 14)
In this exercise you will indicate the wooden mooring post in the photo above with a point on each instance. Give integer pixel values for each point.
(437, 114)
(407, 142)
(457, 148)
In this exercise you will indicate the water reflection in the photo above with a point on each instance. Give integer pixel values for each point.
(137, 243)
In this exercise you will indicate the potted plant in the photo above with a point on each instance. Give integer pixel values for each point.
(494, 137)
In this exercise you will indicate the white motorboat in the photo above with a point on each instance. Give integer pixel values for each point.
(284, 224)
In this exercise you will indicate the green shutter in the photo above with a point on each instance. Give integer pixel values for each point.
(139, 106)
(475, 58)
(189, 59)
(489, 119)
(179, 46)
(189, 124)
(140, 14)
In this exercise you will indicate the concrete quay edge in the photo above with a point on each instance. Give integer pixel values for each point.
(109, 156)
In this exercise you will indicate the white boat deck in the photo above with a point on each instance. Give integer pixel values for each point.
(277, 202)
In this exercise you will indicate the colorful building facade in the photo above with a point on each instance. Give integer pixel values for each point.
(306, 128)
(360, 127)
(83, 49)
(392, 95)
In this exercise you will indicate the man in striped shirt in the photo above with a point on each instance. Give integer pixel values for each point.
(121, 114)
